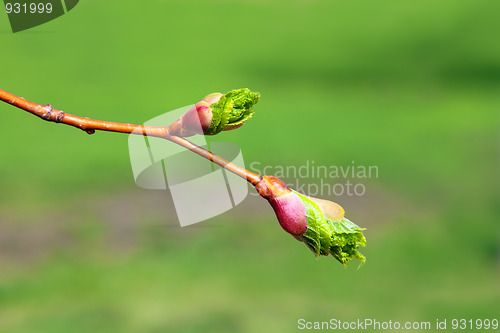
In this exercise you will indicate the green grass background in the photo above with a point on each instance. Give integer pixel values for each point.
(411, 87)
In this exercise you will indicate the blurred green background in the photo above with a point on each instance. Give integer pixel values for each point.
(410, 87)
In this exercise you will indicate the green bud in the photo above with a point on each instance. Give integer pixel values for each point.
(318, 223)
(232, 110)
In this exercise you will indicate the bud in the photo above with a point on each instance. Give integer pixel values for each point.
(319, 223)
(215, 113)
(287, 205)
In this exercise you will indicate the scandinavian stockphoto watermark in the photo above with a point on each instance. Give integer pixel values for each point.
(202, 190)
(316, 179)
(26, 14)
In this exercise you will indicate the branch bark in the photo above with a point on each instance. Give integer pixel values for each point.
(48, 113)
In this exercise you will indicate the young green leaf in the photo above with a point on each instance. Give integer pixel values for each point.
(326, 235)
(232, 110)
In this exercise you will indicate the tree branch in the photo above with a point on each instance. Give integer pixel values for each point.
(47, 112)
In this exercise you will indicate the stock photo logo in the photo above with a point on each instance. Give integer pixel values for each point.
(25, 15)
(199, 190)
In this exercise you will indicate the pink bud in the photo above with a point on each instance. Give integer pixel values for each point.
(287, 205)
(196, 120)
(291, 213)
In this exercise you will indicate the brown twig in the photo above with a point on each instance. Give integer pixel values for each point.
(47, 112)
(251, 177)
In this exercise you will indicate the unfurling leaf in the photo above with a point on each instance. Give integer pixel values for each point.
(326, 235)
(232, 110)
